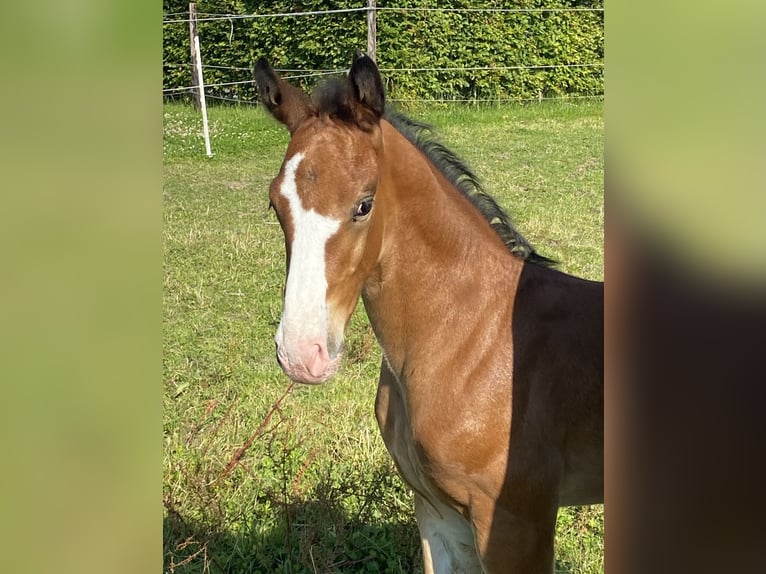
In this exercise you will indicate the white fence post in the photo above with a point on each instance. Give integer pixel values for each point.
(201, 82)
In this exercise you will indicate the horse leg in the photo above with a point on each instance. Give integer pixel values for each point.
(515, 543)
(447, 538)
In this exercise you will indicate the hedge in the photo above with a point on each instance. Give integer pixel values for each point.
(406, 40)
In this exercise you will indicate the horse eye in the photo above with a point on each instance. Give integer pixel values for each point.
(363, 208)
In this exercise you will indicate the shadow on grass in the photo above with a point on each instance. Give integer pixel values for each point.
(318, 539)
(316, 536)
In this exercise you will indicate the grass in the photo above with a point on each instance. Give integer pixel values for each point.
(261, 476)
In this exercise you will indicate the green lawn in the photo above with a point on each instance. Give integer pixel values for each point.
(308, 486)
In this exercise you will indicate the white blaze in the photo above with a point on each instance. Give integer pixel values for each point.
(305, 312)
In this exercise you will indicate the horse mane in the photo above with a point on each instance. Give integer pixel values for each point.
(465, 180)
(330, 98)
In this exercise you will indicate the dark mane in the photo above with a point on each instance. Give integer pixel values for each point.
(461, 176)
(331, 97)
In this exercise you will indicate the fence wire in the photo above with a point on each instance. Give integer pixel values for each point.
(313, 73)
(216, 17)
(246, 102)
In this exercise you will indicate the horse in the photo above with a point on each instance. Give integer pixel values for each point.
(490, 396)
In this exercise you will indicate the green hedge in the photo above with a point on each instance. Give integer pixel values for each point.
(405, 40)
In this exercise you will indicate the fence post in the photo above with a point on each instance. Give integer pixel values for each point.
(372, 30)
(193, 60)
(200, 81)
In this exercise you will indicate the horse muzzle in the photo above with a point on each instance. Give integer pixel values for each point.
(310, 364)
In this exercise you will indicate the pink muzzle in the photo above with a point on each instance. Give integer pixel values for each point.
(309, 364)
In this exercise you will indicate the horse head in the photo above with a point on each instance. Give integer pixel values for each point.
(324, 198)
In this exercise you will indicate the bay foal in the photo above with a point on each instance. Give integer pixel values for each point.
(490, 398)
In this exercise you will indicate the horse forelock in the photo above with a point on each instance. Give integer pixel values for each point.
(334, 99)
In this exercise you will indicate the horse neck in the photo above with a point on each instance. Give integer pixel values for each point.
(443, 272)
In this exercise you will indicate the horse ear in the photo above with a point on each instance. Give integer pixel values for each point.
(367, 86)
(284, 101)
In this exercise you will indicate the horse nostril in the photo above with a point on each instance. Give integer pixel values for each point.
(279, 359)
